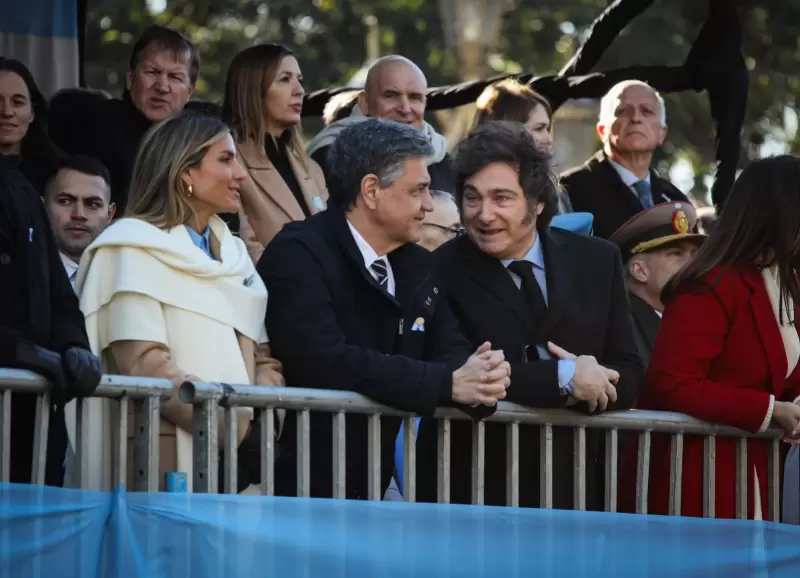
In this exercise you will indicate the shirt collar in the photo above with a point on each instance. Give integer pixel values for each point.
(535, 255)
(627, 176)
(197, 238)
(367, 252)
(70, 265)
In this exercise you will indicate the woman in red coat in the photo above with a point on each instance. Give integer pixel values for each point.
(727, 348)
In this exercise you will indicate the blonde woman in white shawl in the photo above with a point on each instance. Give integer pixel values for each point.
(168, 291)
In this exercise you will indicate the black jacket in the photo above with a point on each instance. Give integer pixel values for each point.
(645, 327)
(109, 131)
(595, 187)
(37, 305)
(587, 314)
(442, 176)
(333, 327)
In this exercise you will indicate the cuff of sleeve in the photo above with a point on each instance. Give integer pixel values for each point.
(768, 417)
(566, 371)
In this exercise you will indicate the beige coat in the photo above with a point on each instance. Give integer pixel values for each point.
(267, 202)
(157, 306)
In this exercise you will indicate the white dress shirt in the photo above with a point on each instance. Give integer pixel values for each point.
(71, 267)
(370, 256)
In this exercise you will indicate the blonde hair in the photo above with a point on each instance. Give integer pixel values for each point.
(250, 75)
(158, 195)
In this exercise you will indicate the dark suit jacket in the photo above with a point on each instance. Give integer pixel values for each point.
(333, 327)
(595, 187)
(109, 131)
(37, 305)
(645, 327)
(588, 314)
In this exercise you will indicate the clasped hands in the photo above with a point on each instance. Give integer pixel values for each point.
(483, 379)
(592, 383)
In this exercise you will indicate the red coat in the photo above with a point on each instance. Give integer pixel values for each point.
(718, 357)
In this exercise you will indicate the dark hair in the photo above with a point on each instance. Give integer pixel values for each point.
(509, 100)
(170, 40)
(40, 156)
(509, 142)
(371, 147)
(759, 225)
(86, 165)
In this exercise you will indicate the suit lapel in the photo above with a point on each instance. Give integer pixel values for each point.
(490, 274)
(269, 181)
(307, 185)
(610, 180)
(559, 272)
(646, 318)
(338, 220)
(768, 330)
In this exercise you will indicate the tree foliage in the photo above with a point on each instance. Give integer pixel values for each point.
(329, 36)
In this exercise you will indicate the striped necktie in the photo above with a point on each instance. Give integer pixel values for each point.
(381, 273)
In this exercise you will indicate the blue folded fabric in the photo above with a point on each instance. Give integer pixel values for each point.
(81, 534)
(580, 223)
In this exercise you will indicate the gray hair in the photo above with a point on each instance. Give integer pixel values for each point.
(608, 104)
(371, 147)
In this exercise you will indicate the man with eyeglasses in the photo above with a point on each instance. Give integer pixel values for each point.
(441, 224)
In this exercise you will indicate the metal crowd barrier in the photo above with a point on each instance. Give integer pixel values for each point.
(209, 398)
(145, 395)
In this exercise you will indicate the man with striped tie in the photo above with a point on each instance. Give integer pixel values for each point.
(355, 304)
(619, 181)
(79, 207)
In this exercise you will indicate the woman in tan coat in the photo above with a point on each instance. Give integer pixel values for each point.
(263, 104)
(168, 291)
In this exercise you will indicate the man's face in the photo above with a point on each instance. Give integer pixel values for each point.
(497, 215)
(161, 85)
(400, 209)
(636, 125)
(78, 208)
(441, 224)
(397, 93)
(655, 268)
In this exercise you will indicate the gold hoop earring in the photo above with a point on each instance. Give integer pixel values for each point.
(190, 191)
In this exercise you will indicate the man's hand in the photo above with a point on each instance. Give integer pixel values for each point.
(592, 382)
(483, 379)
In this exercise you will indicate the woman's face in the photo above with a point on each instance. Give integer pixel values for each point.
(215, 183)
(285, 95)
(16, 111)
(539, 126)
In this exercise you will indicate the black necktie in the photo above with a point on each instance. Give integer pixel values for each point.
(531, 290)
(381, 273)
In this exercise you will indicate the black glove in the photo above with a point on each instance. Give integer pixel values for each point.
(82, 372)
(43, 362)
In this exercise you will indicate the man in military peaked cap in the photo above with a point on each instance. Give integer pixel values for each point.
(655, 244)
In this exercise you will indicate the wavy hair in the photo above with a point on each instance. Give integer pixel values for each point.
(158, 195)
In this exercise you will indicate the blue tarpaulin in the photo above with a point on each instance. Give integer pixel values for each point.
(68, 533)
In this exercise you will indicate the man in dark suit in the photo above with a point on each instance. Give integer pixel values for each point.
(552, 300)
(41, 326)
(354, 304)
(655, 244)
(619, 180)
